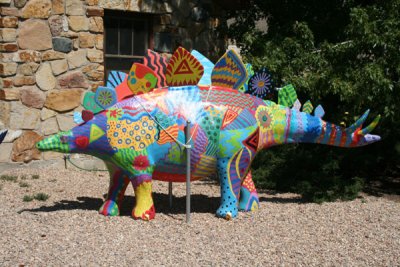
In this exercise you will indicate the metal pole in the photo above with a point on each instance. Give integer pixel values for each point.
(170, 194)
(187, 139)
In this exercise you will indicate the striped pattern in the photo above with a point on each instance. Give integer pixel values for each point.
(158, 64)
(287, 96)
(307, 107)
(229, 71)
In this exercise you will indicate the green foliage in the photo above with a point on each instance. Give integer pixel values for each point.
(8, 178)
(27, 198)
(23, 184)
(35, 176)
(41, 196)
(343, 55)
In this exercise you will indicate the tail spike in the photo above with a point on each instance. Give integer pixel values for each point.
(370, 127)
(359, 122)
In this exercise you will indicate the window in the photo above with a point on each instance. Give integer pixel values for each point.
(127, 37)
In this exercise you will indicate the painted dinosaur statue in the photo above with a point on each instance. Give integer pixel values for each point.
(139, 134)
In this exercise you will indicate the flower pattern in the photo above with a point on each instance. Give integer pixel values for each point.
(141, 163)
(260, 84)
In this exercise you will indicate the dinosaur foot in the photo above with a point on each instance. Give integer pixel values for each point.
(145, 215)
(249, 202)
(109, 208)
(227, 212)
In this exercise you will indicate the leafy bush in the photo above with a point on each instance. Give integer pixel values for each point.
(27, 198)
(344, 56)
(41, 196)
(8, 178)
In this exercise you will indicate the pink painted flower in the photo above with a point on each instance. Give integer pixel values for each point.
(141, 163)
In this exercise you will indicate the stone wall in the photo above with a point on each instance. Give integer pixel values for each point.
(52, 52)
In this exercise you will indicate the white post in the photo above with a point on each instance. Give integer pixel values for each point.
(187, 139)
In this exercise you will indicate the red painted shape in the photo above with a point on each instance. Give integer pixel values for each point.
(82, 142)
(123, 90)
(87, 115)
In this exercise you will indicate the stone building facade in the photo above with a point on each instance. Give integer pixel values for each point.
(52, 51)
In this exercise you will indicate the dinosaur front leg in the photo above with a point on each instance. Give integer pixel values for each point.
(230, 188)
(248, 195)
(118, 184)
(144, 207)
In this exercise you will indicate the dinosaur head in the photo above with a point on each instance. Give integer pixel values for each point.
(87, 138)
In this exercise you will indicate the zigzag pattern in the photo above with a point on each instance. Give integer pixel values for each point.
(158, 64)
(229, 71)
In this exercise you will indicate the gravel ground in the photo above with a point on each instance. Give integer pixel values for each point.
(66, 229)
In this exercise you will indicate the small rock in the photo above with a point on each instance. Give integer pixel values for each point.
(78, 23)
(59, 66)
(56, 25)
(31, 96)
(49, 126)
(52, 55)
(8, 35)
(96, 24)
(9, 94)
(9, 11)
(8, 69)
(63, 100)
(95, 72)
(24, 149)
(9, 22)
(77, 59)
(27, 56)
(93, 11)
(46, 114)
(20, 3)
(99, 41)
(65, 122)
(86, 40)
(37, 9)
(21, 80)
(34, 34)
(62, 44)
(95, 55)
(27, 69)
(75, 8)
(74, 79)
(45, 78)
(8, 47)
(58, 7)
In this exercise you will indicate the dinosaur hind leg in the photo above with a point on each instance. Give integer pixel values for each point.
(248, 195)
(144, 207)
(118, 184)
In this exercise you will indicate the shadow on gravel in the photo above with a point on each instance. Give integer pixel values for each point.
(199, 204)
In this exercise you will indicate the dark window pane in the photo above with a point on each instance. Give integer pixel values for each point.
(125, 37)
(140, 37)
(111, 36)
(121, 64)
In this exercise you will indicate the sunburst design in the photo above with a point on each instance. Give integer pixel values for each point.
(183, 69)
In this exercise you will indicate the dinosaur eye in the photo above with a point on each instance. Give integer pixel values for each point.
(64, 139)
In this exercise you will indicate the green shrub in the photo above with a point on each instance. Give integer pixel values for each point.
(27, 198)
(35, 176)
(23, 184)
(41, 196)
(8, 178)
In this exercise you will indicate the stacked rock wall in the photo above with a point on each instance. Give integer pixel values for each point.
(52, 52)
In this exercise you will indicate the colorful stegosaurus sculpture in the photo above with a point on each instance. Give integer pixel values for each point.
(138, 129)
